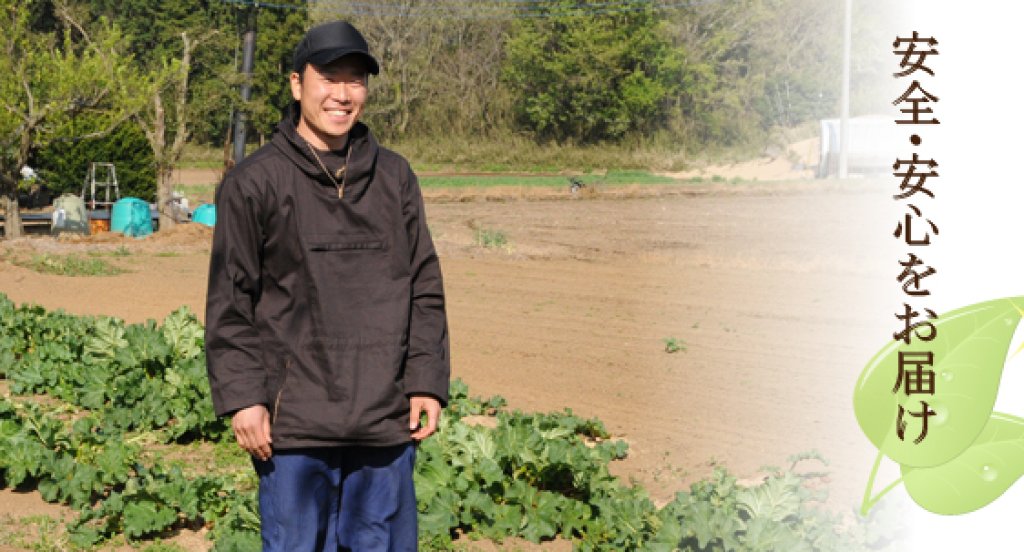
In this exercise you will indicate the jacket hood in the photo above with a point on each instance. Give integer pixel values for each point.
(362, 156)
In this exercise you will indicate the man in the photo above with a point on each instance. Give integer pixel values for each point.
(326, 330)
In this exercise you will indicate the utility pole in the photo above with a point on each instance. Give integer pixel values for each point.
(248, 53)
(844, 115)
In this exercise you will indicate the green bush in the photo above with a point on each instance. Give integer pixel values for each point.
(589, 78)
(486, 237)
(64, 165)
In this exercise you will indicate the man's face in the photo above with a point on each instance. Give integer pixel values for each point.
(332, 97)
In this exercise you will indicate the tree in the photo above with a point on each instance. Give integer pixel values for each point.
(49, 77)
(765, 64)
(462, 85)
(277, 31)
(588, 76)
(153, 35)
(165, 122)
(406, 45)
(440, 65)
(159, 95)
(753, 66)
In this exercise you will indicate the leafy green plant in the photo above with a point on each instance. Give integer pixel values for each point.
(485, 237)
(674, 344)
(68, 265)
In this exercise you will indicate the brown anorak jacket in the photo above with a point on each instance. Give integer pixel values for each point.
(328, 311)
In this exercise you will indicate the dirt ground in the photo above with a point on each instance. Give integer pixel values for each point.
(797, 160)
(779, 294)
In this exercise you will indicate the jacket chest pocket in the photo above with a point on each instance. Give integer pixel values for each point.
(343, 246)
(348, 262)
(355, 278)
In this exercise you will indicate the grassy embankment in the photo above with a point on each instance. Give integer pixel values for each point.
(508, 163)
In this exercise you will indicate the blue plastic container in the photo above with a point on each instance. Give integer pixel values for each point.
(205, 214)
(131, 217)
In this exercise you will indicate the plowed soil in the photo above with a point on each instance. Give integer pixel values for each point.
(777, 293)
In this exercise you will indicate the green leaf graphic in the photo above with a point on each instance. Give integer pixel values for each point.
(970, 349)
(975, 478)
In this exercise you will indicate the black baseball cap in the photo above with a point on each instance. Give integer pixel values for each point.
(330, 41)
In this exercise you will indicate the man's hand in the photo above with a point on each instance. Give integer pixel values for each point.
(252, 430)
(419, 404)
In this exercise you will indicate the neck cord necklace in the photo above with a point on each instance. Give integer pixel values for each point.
(342, 172)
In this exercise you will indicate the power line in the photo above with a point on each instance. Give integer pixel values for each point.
(502, 9)
(499, 12)
(500, 3)
(520, 6)
(257, 4)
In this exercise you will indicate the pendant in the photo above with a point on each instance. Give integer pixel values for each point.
(341, 192)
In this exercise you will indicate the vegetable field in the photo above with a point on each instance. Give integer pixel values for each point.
(535, 476)
(659, 451)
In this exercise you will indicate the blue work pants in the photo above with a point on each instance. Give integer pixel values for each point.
(357, 499)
